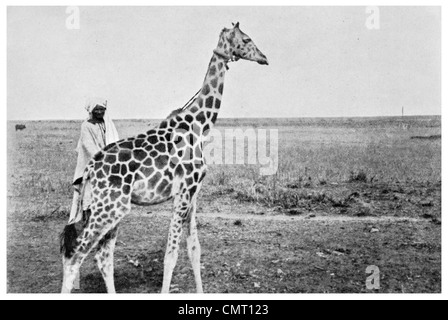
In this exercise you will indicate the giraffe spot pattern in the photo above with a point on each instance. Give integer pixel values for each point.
(106, 169)
(124, 155)
(115, 169)
(168, 174)
(133, 166)
(124, 170)
(126, 189)
(170, 147)
(174, 159)
(183, 126)
(126, 145)
(206, 89)
(180, 143)
(188, 168)
(128, 178)
(192, 191)
(212, 71)
(147, 171)
(99, 156)
(152, 139)
(147, 162)
(100, 174)
(202, 176)
(163, 184)
(115, 181)
(214, 82)
(139, 143)
(161, 161)
(139, 154)
(215, 116)
(201, 117)
(167, 136)
(114, 195)
(154, 179)
(97, 165)
(163, 125)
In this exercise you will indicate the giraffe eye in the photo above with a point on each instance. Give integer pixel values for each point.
(247, 40)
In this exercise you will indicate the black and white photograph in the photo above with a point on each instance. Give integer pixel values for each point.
(257, 150)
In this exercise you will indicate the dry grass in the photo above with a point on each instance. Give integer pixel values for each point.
(354, 174)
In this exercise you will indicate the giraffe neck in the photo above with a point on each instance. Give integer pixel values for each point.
(208, 102)
(205, 108)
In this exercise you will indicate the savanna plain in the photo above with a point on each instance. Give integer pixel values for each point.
(349, 193)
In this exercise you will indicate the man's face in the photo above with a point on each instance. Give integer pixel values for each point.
(98, 112)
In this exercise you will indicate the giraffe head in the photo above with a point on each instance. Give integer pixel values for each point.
(239, 45)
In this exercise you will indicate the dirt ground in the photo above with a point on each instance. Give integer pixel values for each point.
(243, 253)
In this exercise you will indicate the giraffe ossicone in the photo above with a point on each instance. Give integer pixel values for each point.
(152, 168)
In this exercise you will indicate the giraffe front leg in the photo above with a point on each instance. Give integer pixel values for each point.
(194, 249)
(71, 270)
(105, 259)
(172, 251)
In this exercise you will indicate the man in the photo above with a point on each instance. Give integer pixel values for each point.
(96, 132)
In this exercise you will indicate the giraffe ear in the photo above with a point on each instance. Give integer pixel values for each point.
(236, 25)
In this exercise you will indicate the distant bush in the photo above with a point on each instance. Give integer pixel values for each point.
(358, 176)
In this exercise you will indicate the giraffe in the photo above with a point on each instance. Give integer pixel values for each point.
(152, 168)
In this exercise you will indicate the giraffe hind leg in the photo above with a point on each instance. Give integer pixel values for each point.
(68, 237)
(95, 230)
(68, 244)
(105, 258)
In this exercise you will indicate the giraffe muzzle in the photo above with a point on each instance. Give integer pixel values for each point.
(262, 58)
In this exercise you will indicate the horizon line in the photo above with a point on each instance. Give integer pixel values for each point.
(233, 118)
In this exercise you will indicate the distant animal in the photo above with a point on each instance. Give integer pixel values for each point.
(20, 127)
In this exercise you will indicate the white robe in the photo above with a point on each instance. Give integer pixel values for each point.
(91, 141)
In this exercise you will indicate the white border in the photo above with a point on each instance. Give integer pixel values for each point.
(3, 139)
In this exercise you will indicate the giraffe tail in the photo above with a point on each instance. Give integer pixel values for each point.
(70, 234)
(68, 240)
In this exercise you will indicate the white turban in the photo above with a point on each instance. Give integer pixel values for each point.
(91, 103)
(111, 131)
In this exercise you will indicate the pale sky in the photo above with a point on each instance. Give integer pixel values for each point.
(146, 61)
